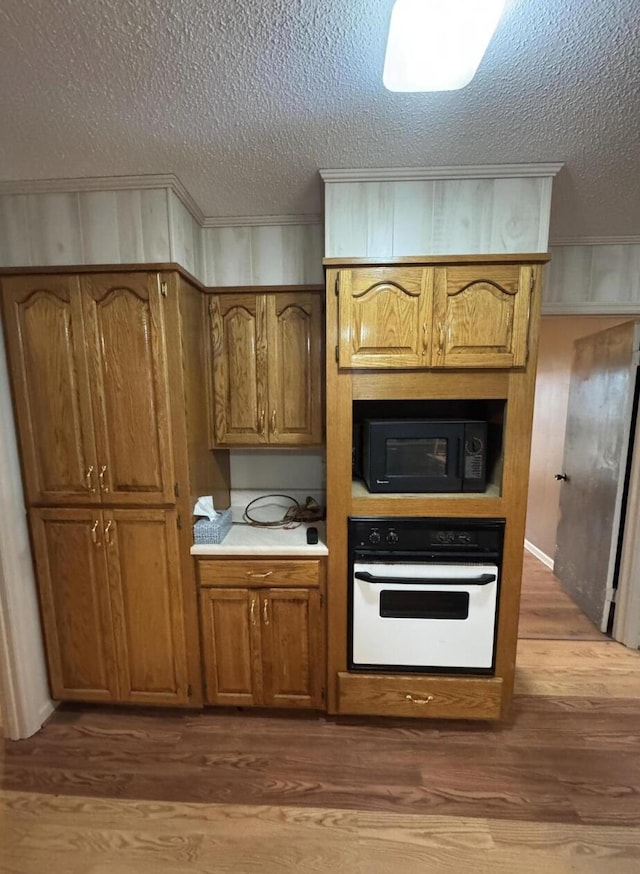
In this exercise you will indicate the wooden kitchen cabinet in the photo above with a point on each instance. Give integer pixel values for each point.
(112, 605)
(463, 316)
(266, 352)
(262, 630)
(87, 357)
(384, 316)
(106, 370)
(429, 337)
(481, 315)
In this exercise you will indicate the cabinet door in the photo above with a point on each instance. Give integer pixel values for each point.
(239, 349)
(292, 650)
(294, 324)
(481, 315)
(74, 601)
(230, 625)
(146, 597)
(384, 317)
(45, 346)
(124, 321)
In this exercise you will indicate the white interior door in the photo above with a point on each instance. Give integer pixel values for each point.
(597, 447)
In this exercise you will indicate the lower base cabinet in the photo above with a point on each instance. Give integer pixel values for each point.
(262, 647)
(111, 604)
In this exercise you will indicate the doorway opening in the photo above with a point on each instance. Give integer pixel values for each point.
(550, 610)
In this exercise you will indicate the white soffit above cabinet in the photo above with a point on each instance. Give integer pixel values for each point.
(438, 210)
(244, 100)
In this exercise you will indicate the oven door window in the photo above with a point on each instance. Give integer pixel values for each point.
(424, 605)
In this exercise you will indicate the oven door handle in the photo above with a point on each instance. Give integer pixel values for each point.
(482, 580)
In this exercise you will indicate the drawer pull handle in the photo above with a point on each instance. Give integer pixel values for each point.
(262, 576)
(426, 700)
(253, 611)
(265, 611)
(103, 470)
(89, 479)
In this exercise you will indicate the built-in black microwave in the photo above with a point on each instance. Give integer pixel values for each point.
(424, 455)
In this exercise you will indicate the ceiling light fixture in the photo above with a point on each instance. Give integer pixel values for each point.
(437, 45)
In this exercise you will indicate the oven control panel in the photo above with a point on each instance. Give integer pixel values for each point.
(426, 534)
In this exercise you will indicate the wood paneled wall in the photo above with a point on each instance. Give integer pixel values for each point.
(270, 254)
(445, 216)
(84, 227)
(150, 225)
(593, 279)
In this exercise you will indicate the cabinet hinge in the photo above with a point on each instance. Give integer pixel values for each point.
(337, 284)
(179, 522)
(532, 281)
(337, 354)
(163, 289)
(176, 489)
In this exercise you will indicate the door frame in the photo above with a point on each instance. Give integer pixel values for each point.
(626, 618)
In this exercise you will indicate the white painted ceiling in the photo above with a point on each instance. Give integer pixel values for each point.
(244, 100)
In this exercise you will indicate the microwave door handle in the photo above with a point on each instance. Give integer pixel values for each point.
(482, 580)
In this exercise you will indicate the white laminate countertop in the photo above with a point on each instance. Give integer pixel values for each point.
(251, 540)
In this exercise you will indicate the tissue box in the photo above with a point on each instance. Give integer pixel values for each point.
(205, 531)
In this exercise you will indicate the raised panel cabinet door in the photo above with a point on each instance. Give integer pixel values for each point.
(384, 316)
(124, 322)
(147, 605)
(45, 347)
(74, 603)
(239, 361)
(294, 330)
(481, 315)
(292, 650)
(230, 627)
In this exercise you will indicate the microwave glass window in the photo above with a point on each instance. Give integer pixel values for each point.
(417, 456)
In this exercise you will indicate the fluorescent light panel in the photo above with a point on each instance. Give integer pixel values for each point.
(437, 45)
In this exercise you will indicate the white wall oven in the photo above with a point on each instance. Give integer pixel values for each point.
(424, 594)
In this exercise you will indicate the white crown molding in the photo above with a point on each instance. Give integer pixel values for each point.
(405, 174)
(146, 182)
(254, 220)
(91, 183)
(595, 241)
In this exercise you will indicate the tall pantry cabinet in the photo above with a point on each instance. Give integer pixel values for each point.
(106, 371)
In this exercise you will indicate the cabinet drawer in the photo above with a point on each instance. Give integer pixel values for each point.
(259, 572)
(422, 696)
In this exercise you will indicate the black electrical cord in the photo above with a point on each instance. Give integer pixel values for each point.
(288, 520)
(293, 516)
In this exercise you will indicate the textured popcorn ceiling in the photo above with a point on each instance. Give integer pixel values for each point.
(244, 100)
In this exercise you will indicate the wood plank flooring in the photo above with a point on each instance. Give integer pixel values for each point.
(546, 611)
(555, 789)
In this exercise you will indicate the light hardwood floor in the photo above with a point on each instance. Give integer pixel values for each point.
(556, 789)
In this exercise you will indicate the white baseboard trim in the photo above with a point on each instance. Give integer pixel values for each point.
(544, 558)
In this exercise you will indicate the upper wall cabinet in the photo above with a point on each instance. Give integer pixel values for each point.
(385, 317)
(88, 362)
(481, 315)
(458, 316)
(267, 368)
